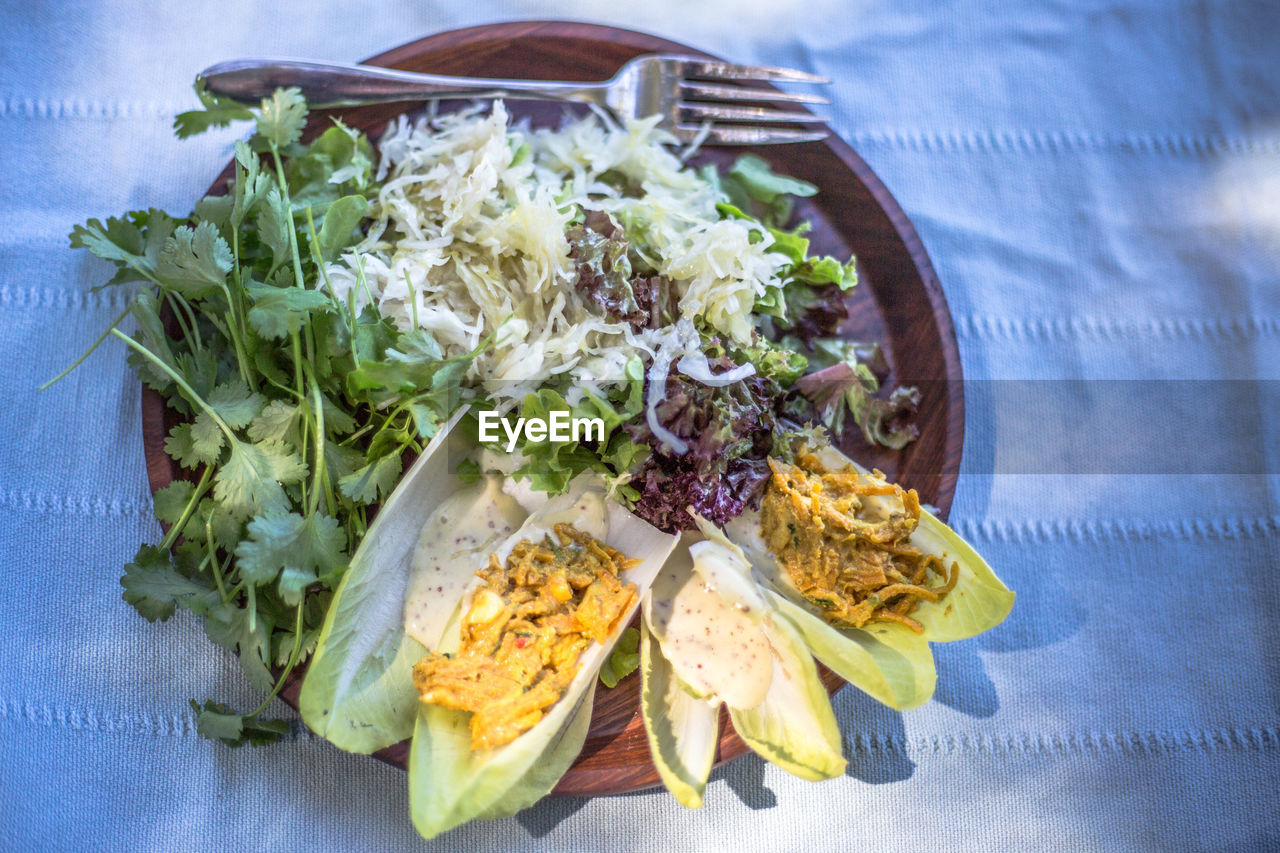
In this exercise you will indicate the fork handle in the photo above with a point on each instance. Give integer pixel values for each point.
(334, 85)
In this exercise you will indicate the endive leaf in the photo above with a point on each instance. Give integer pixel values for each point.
(683, 730)
(979, 602)
(449, 782)
(358, 693)
(551, 766)
(887, 661)
(794, 727)
(707, 612)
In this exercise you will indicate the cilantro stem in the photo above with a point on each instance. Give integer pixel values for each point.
(234, 309)
(215, 564)
(297, 282)
(364, 282)
(176, 530)
(357, 434)
(294, 654)
(192, 331)
(176, 377)
(93, 346)
(314, 243)
(251, 607)
(319, 464)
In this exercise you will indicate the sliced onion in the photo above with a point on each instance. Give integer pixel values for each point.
(658, 393)
(694, 364)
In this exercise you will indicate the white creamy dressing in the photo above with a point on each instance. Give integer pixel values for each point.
(468, 526)
(709, 618)
(586, 511)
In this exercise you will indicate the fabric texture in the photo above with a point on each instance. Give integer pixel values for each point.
(1097, 185)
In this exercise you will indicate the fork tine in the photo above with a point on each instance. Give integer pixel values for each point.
(729, 71)
(720, 135)
(697, 111)
(740, 93)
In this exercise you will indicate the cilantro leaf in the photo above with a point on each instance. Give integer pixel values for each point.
(281, 118)
(341, 461)
(241, 630)
(298, 550)
(276, 422)
(275, 228)
(250, 185)
(172, 500)
(338, 230)
(134, 242)
(196, 443)
(339, 161)
(235, 403)
(195, 261)
(217, 112)
(277, 312)
(154, 587)
(373, 481)
(218, 722)
(251, 479)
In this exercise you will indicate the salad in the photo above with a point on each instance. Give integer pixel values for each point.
(340, 311)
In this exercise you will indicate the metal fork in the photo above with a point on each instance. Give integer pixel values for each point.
(689, 93)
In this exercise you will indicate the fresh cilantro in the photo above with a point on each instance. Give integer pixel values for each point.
(295, 549)
(216, 112)
(153, 585)
(218, 722)
(195, 261)
(281, 119)
(252, 479)
(373, 481)
(278, 312)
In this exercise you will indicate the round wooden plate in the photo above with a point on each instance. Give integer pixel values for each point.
(898, 302)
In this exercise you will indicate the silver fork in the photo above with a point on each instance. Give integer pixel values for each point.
(689, 93)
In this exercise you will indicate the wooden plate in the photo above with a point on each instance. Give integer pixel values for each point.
(898, 303)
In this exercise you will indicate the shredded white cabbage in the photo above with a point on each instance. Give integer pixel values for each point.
(469, 239)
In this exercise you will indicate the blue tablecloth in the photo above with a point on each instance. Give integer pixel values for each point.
(1097, 184)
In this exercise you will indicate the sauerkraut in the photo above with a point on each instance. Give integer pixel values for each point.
(468, 239)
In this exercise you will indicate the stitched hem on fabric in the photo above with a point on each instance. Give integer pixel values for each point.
(1136, 741)
(45, 297)
(64, 505)
(1056, 141)
(991, 328)
(1108, 530)
(81, 108)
